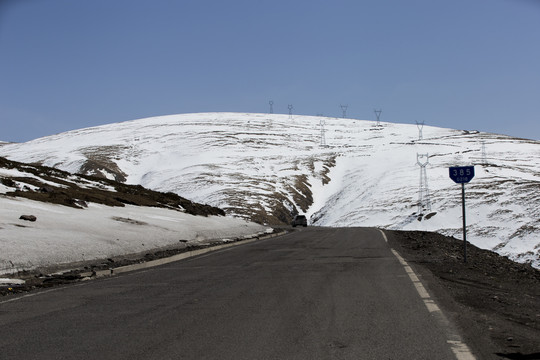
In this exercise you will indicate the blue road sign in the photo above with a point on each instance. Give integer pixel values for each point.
(461, 174)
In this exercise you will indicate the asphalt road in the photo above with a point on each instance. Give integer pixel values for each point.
(313, 294)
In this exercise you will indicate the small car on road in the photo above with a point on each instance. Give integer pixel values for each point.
(299, 220)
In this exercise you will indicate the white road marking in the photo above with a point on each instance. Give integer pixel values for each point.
(460, 349)
(28, 295)
(383, 235)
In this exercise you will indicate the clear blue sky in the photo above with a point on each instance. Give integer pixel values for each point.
(465, 64)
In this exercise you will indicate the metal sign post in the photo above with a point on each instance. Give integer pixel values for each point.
(462, 175)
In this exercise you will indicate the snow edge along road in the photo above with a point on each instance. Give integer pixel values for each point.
(153, 263)
(459, 348)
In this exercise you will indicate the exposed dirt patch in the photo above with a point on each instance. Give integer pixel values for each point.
(99, 162)
(52, 186)
(328, 165)
(301, 192)
(495, 301)
(129, 221)
(102, 169)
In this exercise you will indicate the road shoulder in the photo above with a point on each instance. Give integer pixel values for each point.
(494, 302)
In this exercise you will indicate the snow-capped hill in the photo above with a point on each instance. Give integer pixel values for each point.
(266, 166)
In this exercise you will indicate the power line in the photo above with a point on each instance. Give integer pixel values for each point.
(344, 110)
(420, 126)
(323, 138)
(424, 201)
(484, 155)
(378, 115)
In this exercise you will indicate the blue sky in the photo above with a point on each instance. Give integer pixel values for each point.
(465, 64)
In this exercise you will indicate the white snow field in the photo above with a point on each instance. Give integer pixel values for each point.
(65, 235)
(259, 166)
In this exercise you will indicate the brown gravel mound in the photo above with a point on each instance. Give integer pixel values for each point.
(495, 301)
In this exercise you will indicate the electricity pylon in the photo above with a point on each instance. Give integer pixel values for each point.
(424, 201)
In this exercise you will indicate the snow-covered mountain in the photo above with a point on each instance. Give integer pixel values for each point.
(266, 166)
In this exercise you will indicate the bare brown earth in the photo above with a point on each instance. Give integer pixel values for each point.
(54, 187)
(495, 301)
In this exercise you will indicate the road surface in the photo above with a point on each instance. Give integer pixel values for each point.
(317, 293)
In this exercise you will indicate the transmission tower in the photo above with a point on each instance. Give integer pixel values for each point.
(420, 126)
(290, 110)
(271, 106)
(344, 110)
(484, 155)
(323, 138)
(424, 202)
(378, 115)
(133, 147)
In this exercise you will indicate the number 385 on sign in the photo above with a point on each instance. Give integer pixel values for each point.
(461, 174)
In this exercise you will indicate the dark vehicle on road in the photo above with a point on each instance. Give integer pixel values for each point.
(299, 220)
